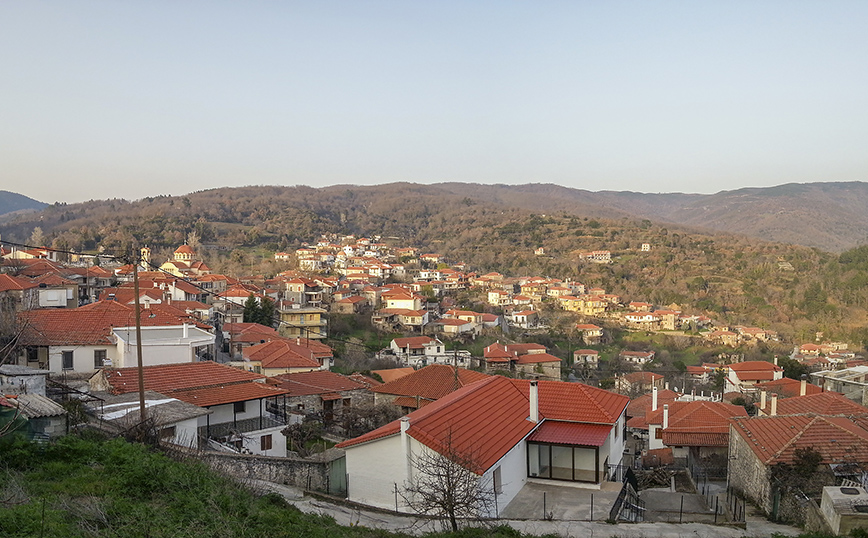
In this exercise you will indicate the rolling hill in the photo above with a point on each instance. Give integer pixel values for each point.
(11, 202)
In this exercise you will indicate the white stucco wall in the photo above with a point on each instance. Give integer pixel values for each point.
(82, 357)
(373, 470)
(513, 474)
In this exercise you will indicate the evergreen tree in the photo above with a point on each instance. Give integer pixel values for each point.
(251, 310)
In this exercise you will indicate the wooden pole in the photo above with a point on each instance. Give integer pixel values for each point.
(142, 413)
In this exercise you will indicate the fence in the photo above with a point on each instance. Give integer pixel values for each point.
(735, 505)
(628, 506)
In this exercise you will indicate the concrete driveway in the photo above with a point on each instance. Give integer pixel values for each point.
(562, 501)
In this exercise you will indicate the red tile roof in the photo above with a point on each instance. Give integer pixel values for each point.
(695, 439)
(775, 439)
(643, 377)
(11, 283)
(281, 354)
(415, 342)
(318, 382)
(169, 377)
(224, 394)
(571, 433)
(535, 358)
(92, 324)
(431, 383)
(482, 421)
(392, 374)
(576, 402)
(788, 388)
(823, 403)
(486, 419)
(641, 405)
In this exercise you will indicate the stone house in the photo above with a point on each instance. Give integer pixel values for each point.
(322, 392)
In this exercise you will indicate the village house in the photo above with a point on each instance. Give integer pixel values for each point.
(297, 321)
(743, 376)
(417, 349)
(586, 357)
(286, 356)
(637, 359)
(245, 410)
(85, 339)
(696, 431)
(760, 444)
(645, 321)
(322, 393)
(525, 319)
(354, 304)
(421, 387)
(512, 431)
(530, 360)
(591, 334)
(18, 294)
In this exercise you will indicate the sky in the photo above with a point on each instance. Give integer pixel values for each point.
(133, 99)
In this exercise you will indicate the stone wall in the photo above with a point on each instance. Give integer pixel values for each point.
(320, 472)
(747, 473)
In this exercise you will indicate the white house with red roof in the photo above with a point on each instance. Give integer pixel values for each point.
(743, 376)
(245, 410)
(85, 339)
(509, 431)
(414, 349)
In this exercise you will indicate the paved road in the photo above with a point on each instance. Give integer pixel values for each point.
(344, 515)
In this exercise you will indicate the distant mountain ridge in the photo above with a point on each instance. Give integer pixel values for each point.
(829, 216)
(11, 202)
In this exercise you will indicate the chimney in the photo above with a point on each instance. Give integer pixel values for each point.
(774, 410)
(665, 416)
(186, 331)
(654, 399)
(667, 385)
(776, 360)
(803, 387)
(763, 400)
(534, 402)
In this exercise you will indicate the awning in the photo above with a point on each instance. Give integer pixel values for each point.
(330, 396)
(571, 433)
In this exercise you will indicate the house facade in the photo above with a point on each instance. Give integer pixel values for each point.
(510, 432)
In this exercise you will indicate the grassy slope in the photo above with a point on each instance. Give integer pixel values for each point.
(92, 487)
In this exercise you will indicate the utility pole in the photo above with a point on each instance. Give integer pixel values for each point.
(142, 413)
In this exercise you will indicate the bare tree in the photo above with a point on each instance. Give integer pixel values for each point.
(446, 484)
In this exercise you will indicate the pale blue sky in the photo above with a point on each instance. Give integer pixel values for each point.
(132, 99)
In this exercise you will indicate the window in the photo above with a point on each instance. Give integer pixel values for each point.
(32, 354)
(99, 356)
(167, 432)
(66, 357)
(239, 407)
(265, 442)
(658, 434)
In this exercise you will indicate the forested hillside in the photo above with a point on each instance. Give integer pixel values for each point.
(792, 289)
(11, 202)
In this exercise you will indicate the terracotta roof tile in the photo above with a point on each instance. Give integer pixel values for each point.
(317, 382)
(571, 433)
(169, 377)
(775, 439)
(224, 394)
(432, 382)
